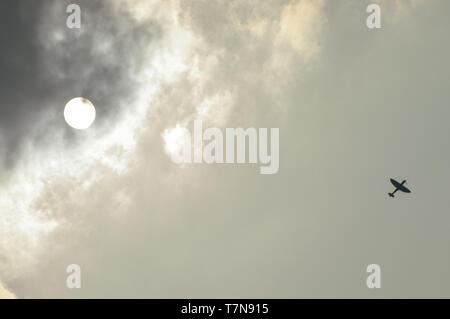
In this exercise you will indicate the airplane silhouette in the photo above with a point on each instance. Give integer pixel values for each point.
(398, 186)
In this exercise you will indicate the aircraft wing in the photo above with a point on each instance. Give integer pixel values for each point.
(403, 189)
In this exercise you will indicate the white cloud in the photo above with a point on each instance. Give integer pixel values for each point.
(300, 26)
(5, 293)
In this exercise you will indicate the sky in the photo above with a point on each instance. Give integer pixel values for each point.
(354, 107)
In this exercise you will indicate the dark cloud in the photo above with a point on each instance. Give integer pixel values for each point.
(44, 64)
(20, 88)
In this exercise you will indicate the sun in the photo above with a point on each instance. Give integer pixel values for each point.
(79, 113)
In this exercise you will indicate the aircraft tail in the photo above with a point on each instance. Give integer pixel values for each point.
(390, 194)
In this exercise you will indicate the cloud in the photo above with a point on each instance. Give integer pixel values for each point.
(112, 201)
(50, 64)
(5, 293)
(300, 26)
(145, 73)
(56, 166)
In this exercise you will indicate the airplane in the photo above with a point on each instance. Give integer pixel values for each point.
(398, 186)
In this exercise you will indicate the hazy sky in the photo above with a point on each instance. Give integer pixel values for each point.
(354, 106)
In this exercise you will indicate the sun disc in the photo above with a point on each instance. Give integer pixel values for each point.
(79, 113)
